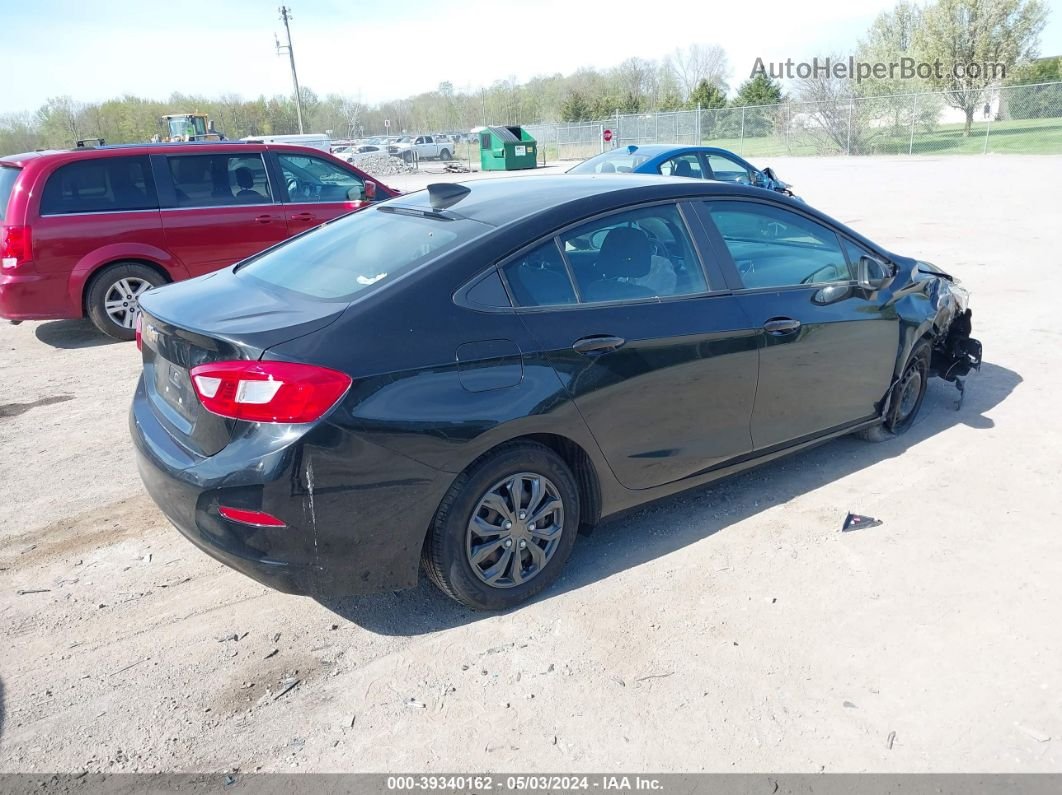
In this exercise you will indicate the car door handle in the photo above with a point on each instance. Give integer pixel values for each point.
(264, 219)
(780, 326)
(302, 217)
(596, 345)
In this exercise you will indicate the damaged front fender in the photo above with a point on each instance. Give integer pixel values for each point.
(955, 352)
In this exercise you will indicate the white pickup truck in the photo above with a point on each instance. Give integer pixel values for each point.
(424, 146)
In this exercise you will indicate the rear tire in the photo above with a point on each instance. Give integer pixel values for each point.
(906, 399)
(113, 297)
(444, 154)
(505, 529)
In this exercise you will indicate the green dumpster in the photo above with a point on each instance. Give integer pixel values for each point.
(506, 149)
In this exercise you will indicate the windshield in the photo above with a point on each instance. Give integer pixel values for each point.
(620, 161)
(366, 249)
(187, 126)
(8, 176)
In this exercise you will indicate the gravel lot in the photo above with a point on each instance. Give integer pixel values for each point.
(732, 628)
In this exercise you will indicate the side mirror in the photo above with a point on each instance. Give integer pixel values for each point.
(759, 179)
(872, 273)
(370, 190)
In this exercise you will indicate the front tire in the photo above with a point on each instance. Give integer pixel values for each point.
(113, 298)
(906, 399)
(505, 529)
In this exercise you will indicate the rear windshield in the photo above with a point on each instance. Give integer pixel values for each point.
(8, 175)
(619, 161)
(367, 249)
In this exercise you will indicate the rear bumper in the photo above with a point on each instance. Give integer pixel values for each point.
(35, 296)
(341, 536)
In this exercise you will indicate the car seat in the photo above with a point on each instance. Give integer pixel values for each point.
(626, 255)
(245, 181)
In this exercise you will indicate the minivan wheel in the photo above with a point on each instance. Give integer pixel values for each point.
(505, 528)
(113, 299)
(906, 399)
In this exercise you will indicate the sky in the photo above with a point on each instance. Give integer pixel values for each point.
(390, 49)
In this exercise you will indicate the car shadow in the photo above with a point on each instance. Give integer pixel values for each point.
(72, 334)
(670, 524)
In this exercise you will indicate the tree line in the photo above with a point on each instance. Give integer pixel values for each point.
(969, 31)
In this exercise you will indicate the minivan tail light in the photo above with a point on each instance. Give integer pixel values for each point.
(268, 391)
(16, 246)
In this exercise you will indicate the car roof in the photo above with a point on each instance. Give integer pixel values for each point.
(655, 150)
(506, 200)
(116, 150)
(552, 201)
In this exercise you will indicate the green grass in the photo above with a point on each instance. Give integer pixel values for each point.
(1025, 136)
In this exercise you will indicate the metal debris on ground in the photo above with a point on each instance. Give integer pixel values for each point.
(288, 685)
(890, 740)
(856, 522)
(24, 591)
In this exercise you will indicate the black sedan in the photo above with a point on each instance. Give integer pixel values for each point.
(463, 377)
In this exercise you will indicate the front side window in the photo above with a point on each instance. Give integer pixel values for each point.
(682, 166)
(364, 250)
(316, 180)
(774, 247)
(726, 170)
(219, 180)
(100, 185)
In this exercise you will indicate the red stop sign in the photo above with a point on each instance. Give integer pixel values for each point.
(607, 135)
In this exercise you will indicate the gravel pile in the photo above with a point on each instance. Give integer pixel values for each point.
(381, 165)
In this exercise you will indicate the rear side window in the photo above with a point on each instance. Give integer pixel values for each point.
(220, 180)
(539, 278)
(367, 249)
(8, 176)
(100, 185)
(682, 166)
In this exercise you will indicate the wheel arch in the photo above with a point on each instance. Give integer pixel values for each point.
(575, 457)
(90, 266)
(100, 269)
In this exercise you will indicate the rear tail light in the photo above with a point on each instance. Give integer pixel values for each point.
(244, 516)
(16, 246)
(268, 391)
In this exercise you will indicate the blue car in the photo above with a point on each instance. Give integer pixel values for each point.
(698, 162)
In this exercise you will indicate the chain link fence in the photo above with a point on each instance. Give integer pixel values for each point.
(1011, 119)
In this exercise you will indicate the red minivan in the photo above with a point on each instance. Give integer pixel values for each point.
(86, 231)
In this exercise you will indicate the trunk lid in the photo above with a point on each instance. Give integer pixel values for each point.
(217, 317)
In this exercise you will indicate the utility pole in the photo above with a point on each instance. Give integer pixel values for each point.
(285, 16)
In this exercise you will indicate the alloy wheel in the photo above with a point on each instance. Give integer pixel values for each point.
(122, 301)
(515, 530)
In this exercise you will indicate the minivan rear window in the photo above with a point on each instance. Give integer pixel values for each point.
(8, 176)
(100, 185)
(367, 249)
